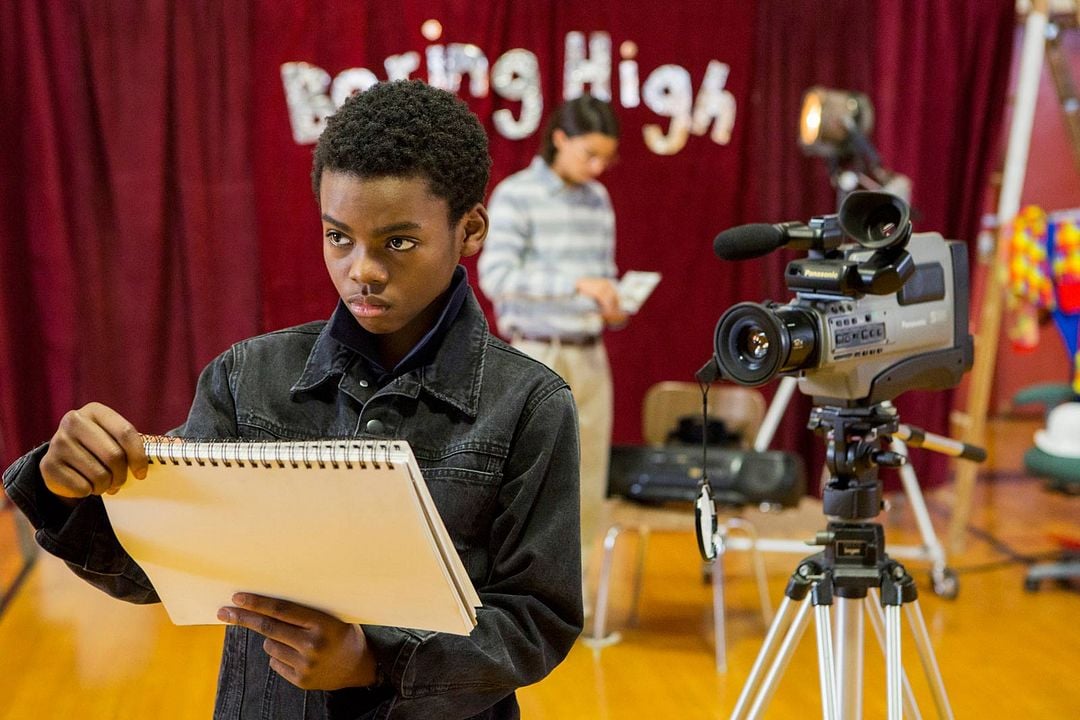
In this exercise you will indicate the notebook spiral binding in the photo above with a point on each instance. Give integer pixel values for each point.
(162, 450)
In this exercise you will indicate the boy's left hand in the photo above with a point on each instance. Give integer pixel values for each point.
(310, 649)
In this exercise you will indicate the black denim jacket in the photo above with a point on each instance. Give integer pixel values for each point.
(495, 433)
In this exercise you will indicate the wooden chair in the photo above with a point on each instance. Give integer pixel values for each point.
(742, 410)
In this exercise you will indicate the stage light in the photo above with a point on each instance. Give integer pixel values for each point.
(836, 125)
(834, 122)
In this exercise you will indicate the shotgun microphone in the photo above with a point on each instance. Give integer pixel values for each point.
(756, 239)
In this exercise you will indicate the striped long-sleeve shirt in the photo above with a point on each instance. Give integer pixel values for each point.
(545, 235)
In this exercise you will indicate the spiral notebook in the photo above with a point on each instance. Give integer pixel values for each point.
(345, 527)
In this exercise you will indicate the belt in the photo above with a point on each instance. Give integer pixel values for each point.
(584, 341)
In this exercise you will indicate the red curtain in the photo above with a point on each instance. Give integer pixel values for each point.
(156, 206)
(130, 251)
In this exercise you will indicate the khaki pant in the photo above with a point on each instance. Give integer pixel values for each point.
(587, 372)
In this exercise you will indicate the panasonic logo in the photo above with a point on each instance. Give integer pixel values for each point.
(818, 274)
(921, 322)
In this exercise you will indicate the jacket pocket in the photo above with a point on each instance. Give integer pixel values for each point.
(464, 482)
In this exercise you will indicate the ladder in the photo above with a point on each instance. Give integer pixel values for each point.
(1044, 27)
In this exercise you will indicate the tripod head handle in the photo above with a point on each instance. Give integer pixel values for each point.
(939, 443)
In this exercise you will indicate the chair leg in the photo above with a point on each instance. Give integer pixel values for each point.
(759, 564)
(598, 638)
(719, 634)
(639, 573)
(719, 628)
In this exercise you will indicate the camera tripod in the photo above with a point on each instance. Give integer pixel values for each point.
(942, 578)
(851, 571)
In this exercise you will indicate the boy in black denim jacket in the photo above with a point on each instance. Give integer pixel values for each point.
(400, 173)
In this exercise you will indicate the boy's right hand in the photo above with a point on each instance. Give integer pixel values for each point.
(91, 452)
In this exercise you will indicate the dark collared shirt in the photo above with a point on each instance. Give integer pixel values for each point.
(495, 434)
(344, 328)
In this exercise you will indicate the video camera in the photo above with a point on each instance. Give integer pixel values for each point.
(871, 319)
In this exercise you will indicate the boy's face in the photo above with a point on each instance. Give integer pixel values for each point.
(391, 251)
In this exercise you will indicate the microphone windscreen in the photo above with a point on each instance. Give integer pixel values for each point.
(748, 241)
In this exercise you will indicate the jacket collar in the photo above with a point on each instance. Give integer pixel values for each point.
(454, 374)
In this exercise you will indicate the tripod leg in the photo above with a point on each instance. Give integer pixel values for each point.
(849, 656)
(929, 662)
(772, 637)
(780, 663)
(877, 621)
(826, 665)
(898, 589)
(797, 589)
(893, 664)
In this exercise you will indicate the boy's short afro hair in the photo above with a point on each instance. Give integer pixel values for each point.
(408, 128)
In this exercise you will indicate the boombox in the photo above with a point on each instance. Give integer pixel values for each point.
(738, 477)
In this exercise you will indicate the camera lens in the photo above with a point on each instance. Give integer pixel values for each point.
(754, 343)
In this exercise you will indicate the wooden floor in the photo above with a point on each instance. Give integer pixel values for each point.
(67, 651)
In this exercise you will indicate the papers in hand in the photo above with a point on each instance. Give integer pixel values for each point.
(344, 527)
(635, 287)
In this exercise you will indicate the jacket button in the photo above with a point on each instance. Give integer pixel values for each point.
(375, 427)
